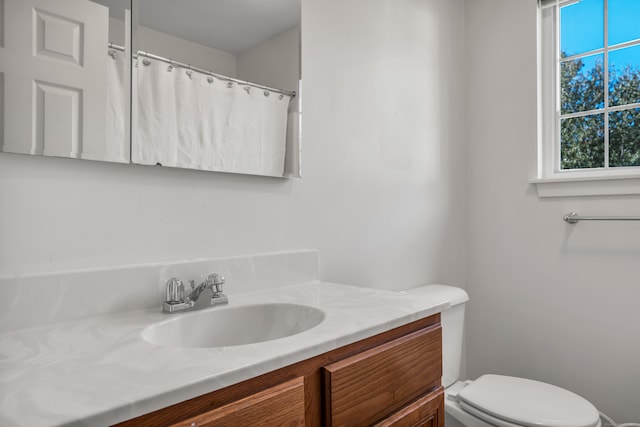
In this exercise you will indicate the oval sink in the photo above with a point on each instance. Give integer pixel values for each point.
(230, 326)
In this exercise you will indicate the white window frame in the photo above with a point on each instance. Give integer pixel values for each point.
(551, 180)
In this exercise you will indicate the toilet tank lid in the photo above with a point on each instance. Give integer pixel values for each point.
(439, 293)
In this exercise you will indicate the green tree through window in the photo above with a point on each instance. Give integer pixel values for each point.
(582, 137)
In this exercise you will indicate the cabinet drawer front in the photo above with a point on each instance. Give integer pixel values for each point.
(282, 405)
(428, 411)
(369, 386)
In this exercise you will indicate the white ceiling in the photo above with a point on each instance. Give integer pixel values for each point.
(230, 25)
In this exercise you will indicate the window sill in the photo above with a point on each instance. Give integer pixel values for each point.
(588, 186)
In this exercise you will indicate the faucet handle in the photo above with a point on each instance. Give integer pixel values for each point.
(215, 281)
(175, 291)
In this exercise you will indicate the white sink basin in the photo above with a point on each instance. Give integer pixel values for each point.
(230, 326)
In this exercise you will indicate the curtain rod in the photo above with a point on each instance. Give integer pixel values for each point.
(211, 73)
(573, 217)
(116, 46)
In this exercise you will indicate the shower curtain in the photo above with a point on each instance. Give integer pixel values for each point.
(193, 120)
(117, 146)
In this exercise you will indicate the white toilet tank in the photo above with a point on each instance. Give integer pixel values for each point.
(452, 321)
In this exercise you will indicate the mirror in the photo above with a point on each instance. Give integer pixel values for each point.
(62, 83)
(216, 85)
(64, 79)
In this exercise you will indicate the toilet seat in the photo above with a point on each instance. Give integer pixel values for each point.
(480, 415)
(516, 402)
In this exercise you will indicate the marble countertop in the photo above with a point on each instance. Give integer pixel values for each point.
(100, 371)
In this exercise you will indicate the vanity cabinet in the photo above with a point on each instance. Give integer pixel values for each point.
(427, 411)
(275, 406)
(370, 385)
(390, 379)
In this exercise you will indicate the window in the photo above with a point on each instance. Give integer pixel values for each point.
(589, 88)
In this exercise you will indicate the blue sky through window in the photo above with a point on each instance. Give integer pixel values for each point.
(582, 29)
(620, 58)
(624, 21)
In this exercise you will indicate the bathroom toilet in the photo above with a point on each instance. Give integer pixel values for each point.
(497, 400)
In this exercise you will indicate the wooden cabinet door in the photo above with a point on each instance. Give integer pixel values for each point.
(282, 405)
(428, 411)
(368, 386)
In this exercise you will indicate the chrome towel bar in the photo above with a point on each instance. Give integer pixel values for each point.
(573, 217)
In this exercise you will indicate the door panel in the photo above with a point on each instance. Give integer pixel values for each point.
(54, 63)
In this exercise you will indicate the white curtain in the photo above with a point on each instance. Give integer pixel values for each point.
(193, 120)
(116, 149)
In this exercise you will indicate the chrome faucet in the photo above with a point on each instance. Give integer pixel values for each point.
(206, 294)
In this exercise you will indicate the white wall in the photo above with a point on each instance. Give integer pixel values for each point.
(383, 193)
(176, 49)
(383, 151)
(549, 301)
(274, 62)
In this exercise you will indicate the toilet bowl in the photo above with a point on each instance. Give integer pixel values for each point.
(497, 400)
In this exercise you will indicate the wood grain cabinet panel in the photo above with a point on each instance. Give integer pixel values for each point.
(282, 405)
(428, 411)
(371, 385)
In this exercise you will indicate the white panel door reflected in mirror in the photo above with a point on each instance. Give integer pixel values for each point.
(62, 82)
(216, 85)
